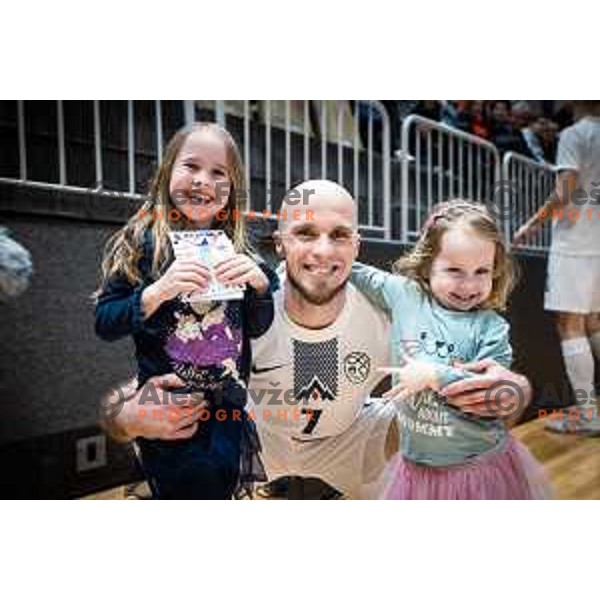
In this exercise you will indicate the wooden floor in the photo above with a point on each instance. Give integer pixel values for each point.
(137, 491)
(572, 464)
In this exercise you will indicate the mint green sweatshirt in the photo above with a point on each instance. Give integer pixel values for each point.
(433, 432)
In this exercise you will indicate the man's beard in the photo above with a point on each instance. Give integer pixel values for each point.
(318, 298)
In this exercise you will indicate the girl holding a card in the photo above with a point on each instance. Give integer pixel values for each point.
(180, 278)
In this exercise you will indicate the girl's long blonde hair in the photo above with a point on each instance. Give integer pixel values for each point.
(417, 263)
(124, 248)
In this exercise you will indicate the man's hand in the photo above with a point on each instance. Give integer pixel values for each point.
(494, 392)
(524, 232)
(553, 202)
(155, 411)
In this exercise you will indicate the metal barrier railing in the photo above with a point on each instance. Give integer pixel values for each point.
(304, 139)
(337, 153)
(344, 148)
(529, 185)
(439, 162)
(97, 135)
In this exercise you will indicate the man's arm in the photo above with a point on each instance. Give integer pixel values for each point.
(568, 160)
(258, 307)
(491, 389)
(154, 411)
(494, 392)
(566, 184)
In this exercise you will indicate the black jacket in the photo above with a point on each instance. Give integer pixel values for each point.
(207, 345)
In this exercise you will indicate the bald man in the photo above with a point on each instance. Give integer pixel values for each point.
(314, 369)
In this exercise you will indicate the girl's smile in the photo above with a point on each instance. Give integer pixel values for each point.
(461, 274)
(200, 182)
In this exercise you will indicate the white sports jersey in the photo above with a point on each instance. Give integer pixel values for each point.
(579, 150)
(312, 383)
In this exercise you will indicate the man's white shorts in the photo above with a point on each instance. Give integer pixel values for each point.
(352, 462)
(573, 284)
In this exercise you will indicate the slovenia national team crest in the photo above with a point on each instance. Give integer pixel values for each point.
(357, 366)
(316, 370)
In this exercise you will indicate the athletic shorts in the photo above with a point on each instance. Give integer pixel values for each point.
(573, 284)
(352, 462)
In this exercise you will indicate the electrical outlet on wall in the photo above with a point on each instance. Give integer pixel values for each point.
(91, 453)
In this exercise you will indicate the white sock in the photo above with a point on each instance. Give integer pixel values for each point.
(595, 345)
(579, 364)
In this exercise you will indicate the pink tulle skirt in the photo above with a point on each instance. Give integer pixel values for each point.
(510, 473)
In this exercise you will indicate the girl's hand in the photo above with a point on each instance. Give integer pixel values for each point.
(185, 275)
(239, 270)
(415, 376)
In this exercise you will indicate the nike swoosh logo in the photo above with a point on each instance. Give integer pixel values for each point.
(258, 371)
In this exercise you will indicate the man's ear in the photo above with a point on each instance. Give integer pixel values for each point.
(278, 244)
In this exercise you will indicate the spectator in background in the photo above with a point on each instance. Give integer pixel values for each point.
(463, 115)
(479, 124)
(563, 116)
(430, 109)
(449, 113)
(505, 135)
(549, 139)
(533, 139)
(470, 117)
(521, 114)
(539, 133)
(517, 127)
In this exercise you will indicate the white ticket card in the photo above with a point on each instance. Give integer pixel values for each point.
(210, 247)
